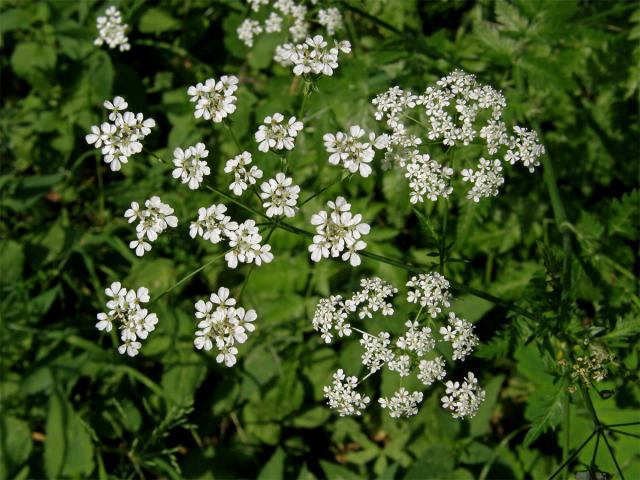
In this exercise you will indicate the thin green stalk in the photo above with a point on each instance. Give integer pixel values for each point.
(233, 136)
(567, 436)
(100, 192)
(188, 276)
(238, 203)
(323, 189)
(613, 456)
(572, 456)
(620, 432)
(443, 235)
(595, 450)
(457, 286)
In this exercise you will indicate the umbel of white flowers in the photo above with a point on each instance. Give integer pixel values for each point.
(125, 309)
(457, 110)
(112, 31)
(224, 324)
(292, 13)
(154, 219)
(243, 239)
(123, 137)
(413, 353)
(338, 231)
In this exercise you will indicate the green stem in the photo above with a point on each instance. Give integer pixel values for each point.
(187, 277)
(613, 455)
(572, 456)
(443, 235)
(237, 202)
(233, 137)
(322, 190)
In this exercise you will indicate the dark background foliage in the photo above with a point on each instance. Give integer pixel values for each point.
(560, 245)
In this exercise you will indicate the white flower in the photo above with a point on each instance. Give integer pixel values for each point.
(331, 19)
(122, 138)
(222, 324)
(112, 31)
(313, 56)
(405, 356)
(416, 339)
(273, 23)
(212, 224)
(244, 243)
(247, 30)
(431, 370)
(486, 180)
(376, 351)
(463, 400)
(430, 291)
(402, 403)
(243, 175)
(276, 135)
(190, 168)
(330, 314)
(460, 333)
(348, 150)
(125, 309)
(214, 99)
(342, 395)
(457, 110)
(372, 298)
(337, 231)
(279, 196)
(152, 221)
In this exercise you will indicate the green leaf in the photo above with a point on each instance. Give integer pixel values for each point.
(15, 436)
(55, 445)
(337, 472)
(274, 468)
(157, 20)
(14, 19)
(438, 460)
(34, 63)
(544, 409)
(11, 261)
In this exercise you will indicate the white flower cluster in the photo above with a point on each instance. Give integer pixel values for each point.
(342, 395)
(215, 100)
(289, 12)
(427, 178)
(276, 134)
(337, 231)
(279, 196)
(486, 180)
(123, 137)
(125, 308)
(221, 322)
(243, 175)
(402, 404)
(190, 168)
(213, 224)
(332, 312)
(414, 352)
(312, 56)
(430, 290)
(463, 400)
(331, 20)
(112, 31)
(347, 149)
(152, 221)
(244, 238)
(460, 333)
(456, 110)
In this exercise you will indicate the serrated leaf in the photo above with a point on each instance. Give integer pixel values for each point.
(544, 409)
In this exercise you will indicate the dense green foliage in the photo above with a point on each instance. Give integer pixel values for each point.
(556, 253)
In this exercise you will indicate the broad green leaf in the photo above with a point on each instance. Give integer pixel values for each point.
(274, 468)
(157, 20)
